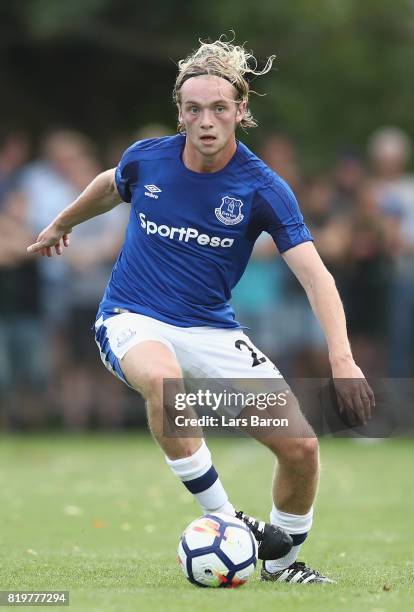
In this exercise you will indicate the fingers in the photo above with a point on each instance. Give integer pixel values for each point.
(367, 407)
(346, 410)
(341, 404)
(367, 399)
(356, 399)
(360, 410)
(35, 248)
(46, 250)
(39, 247)
(370, 394)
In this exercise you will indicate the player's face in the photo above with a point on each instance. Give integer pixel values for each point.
(209, 114)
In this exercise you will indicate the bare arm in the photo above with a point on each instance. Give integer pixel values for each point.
(305, 263)
(99, 196)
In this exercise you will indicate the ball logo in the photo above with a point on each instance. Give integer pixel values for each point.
(208, 526)
(229, 212)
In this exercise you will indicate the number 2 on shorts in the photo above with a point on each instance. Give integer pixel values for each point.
(256, 360)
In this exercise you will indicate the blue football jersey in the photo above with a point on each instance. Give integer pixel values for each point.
(190, 234)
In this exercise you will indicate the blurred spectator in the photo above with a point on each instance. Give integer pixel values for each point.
(279, 153)
(152, 130)
(389, 150)
(329, 225)
(369, 268)
(94, 248)
(72, 285)
(49, 185)
(119, 143)
(14, 152)
(348, 174)
(114, 149)
(23, 369)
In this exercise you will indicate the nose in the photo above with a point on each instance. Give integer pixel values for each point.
(206, 119)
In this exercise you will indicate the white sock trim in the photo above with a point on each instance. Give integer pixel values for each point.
(191, 467)
(214, 498)
(292, 523)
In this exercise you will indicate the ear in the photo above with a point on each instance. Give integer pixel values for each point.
(241, 111)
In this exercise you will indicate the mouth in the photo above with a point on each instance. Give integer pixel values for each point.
(207, 139)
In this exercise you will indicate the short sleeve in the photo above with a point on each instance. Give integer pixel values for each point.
(279, 214)
(126, 174)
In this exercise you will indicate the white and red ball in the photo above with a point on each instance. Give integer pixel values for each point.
(217, 550)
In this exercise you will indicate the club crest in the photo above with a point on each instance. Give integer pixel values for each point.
(229, 212)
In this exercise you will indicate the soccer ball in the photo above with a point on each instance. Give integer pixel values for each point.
(217, 550)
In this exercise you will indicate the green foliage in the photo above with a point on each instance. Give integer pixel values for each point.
(48, 17)
(343, 66)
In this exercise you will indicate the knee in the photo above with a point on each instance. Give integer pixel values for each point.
(156, 381)
(301, 452)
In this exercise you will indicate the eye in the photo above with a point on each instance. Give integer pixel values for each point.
(193, 110)
(220, 109)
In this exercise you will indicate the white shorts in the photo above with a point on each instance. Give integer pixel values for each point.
(202, 352)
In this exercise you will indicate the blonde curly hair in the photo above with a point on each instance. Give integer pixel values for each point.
(225, 60)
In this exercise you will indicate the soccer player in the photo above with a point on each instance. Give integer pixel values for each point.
(199, 200)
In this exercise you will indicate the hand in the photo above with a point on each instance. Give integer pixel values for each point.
(48, 239)
(355, 396)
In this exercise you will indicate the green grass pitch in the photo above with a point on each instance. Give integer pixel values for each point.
(101, 516)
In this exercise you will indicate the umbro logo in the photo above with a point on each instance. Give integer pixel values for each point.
(152, 191)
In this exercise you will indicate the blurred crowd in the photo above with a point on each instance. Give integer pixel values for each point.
(360, 212)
